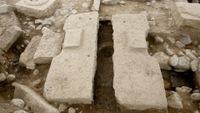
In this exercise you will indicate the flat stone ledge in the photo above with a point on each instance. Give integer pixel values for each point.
(138, 81)
(71, 75)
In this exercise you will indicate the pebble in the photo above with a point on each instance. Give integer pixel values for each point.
(171, 40)
(20, 111)
(184, 89)
(173, 61)
(185, 39)
(62, 107)
(179, 44)
(18, 102)
(183, 63)
(195, 96)
(2, 77)
(11, 78)
(71, 110)
(175, 101)
(36, 72)
(159, 39)
(194, 65)
(189, 53)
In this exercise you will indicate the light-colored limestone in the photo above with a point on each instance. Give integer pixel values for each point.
(175, 101)
(26, 57)
(96, 5)
(71, 75)
(163, 60)
(33, 100)
(138, 81)
(5, 8)
(37, 8)
(50, 46)
(9, 37)
(189, 14)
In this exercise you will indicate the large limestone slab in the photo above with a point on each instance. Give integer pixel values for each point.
(37, 8)
(188, 14)
(50, 46)
(71, 75)
(138, 81)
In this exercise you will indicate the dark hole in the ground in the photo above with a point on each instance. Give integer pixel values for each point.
(193, 1)
(103, 87)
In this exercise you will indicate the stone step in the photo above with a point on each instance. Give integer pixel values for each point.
(71, 75)
(138, 82)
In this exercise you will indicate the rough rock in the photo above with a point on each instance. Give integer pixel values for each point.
(179, 44)
(5, 8)
(9, 37)
(50, 46)
(195, 96)
(10, 78)
(175, 101)
(138, 75)
(110, 2)
(18, 102)
(26, 57)
(2, 77)
(194, 65)
(183, 89)
(173, 61)
(185, 39)
(183, 63)
(71, 110)
(37, 8)
(60, 85)
(163, 60)
(189, 14)
(189, 53)
(33, 100)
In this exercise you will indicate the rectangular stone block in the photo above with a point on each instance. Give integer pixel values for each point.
(9, 37)
(37, 8)
(71, 75)
(138, 82)
(50, 46)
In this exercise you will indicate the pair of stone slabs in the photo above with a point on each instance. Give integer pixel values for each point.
(138, 82)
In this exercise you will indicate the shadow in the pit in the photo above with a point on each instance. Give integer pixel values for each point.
(104, 97)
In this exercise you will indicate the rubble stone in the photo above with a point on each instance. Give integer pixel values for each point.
(60, 85)
(9, 37)
(173, 61)
(20, 111)
(195, 96)
(26, 57)
(50, 46)
(183, 63)
(138, 75)
(18, 102)
(33, 100)
(5, 8)
(175, 101)
(2, 77)
(194, 65)
(163, 60)
(189, 14)
(37, 8)
(96, 5)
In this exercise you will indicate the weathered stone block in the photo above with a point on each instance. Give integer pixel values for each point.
(9, 37)
(138, 81)
(26, 57)
(33, 100)
(37, 8)
(50, 46)
(189, 14)
(71, 75)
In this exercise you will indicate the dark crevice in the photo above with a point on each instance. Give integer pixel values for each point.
(104, 97)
